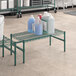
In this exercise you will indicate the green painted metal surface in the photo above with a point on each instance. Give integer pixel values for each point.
(3, 47)
(23, 51)
(64, 41)
(11, 44)
(50, 40)
(14, 54)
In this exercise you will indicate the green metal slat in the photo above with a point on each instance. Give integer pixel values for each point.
(9, 9)
(26, 7)
(26, 37)
(32, 39)
(57, 38)
(59, 31)
(37, 38)
(19, 48)
(0, 45)
(21, 33)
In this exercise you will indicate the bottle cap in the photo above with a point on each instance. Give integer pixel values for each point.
(46, 14)
(32, 16)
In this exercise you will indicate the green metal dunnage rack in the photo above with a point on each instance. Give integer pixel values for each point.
(18, 9)
(24, 37)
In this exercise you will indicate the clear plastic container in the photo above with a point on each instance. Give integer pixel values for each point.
(38, 27)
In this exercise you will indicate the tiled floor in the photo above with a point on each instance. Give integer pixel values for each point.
(42, 59)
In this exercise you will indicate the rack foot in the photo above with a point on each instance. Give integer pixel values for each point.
(55, 10)
(19, 15)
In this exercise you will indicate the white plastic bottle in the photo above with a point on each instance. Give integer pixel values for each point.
(38, 27)
(45, 17)
(1, 26)
(51, 23)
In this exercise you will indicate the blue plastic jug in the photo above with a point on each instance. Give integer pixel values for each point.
(30, 24)
(38, 27)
